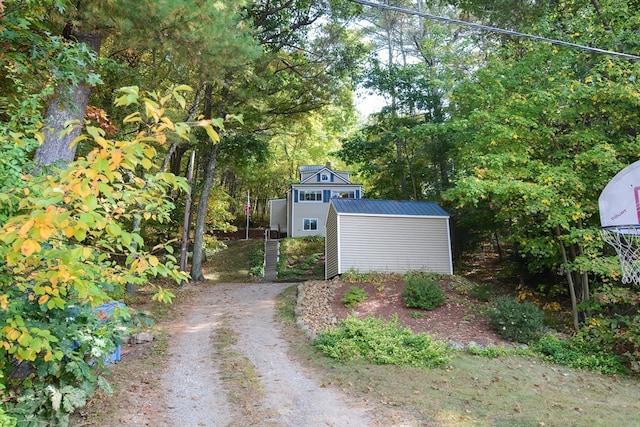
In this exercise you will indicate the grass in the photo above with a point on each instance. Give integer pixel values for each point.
(508, 390)
(233, 264)
(240, 379)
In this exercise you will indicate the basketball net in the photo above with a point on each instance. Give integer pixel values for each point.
(626, 240)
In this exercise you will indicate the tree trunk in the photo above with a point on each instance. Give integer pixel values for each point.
(572, 286)
(207, 184)
(68, 104)
(201, 215)
(187, 214)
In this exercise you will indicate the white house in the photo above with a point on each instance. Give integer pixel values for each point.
(386, 236)
(304, 210)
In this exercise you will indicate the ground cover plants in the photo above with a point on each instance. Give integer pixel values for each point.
(301, 258)
(381, 342)
(355, 296)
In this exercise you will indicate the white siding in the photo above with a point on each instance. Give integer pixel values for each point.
(332, 245)
(278, 215)
(304, 210)
(394, 244)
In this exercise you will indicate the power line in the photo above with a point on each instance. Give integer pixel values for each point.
(497, 30)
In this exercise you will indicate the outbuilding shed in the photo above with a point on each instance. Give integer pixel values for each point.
(370, 235)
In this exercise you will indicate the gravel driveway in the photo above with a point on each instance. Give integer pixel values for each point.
(293, 395)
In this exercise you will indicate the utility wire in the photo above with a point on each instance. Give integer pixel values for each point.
(497, 30)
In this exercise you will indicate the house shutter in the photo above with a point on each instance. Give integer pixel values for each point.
(318, 176)
(357, 194)
(295, 196)
(326, 195)
(332, 177)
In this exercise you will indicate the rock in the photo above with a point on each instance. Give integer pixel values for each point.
(141, 338)
(313, 309)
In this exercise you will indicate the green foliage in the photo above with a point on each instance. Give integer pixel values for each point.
(494, 351)
(514, 321)
(354, 276)
(65, 248)
(617, 334)
(256, 261)
(380, 342)
(299, 258)
(211, 245)
(578, 353)
(354, 296)
(482, 292)
(423, 291)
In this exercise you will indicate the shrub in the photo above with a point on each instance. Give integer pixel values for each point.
(514, 321)
(618, 334)
(256, 259)
(578, 353)
(65, 248)
(354, 296)
(382, 343)
(423, 291)
(482, 292)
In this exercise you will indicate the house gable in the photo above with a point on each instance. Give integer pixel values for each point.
(324, 175)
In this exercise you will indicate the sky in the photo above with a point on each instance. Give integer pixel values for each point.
(367, 103)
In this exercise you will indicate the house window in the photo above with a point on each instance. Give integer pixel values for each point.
(344, 194)
(310, 224)
(311, 196)
(324, 177)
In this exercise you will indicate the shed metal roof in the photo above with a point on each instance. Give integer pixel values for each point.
(388, 207)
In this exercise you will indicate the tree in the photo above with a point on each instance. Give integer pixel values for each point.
(543, 129)
(65, 249)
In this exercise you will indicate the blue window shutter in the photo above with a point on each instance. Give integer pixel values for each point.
(295, 196)
(326, 195)
(318, 177)
(332, 176)
(357, 194)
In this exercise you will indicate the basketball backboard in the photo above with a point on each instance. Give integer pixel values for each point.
(619, 202)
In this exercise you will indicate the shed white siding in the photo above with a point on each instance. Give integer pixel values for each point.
(369, 242)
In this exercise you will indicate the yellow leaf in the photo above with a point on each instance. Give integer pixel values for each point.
(29, 246)
(43, 299)
(25, 228)
(45, 232)
(142, 266)
(12, 334)
(116, 159)
(132, 118)
(153, 261)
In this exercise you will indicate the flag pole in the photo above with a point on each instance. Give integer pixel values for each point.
(247, 211)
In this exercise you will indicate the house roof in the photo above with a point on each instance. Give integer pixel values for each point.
(388, 207)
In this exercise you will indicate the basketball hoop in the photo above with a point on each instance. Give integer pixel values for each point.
(626, 240)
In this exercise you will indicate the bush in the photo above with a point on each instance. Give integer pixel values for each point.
(354, 296)
(382, 343)
(578, 353)
(256, 259)
(423, 291)
(514, 321)
(618, 334)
